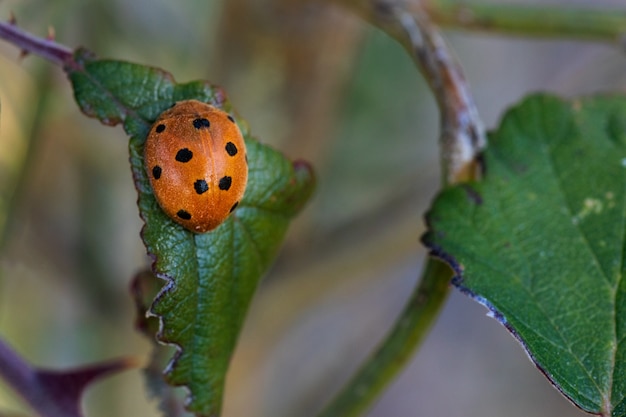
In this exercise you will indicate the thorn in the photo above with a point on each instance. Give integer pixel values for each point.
(51, 33)
(12, 19)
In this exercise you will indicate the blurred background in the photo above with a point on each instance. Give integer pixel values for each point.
(316, 83)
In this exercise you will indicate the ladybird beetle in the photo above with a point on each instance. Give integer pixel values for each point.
(195, 157)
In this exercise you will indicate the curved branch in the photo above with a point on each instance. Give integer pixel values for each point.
(462, 138)
(462, 132)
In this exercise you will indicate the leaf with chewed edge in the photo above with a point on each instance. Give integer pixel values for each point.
(210, 277)
(541, 241)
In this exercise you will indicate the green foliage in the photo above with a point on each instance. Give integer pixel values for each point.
(540, 241)
(210, 277)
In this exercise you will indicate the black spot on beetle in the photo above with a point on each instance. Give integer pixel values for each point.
(201, 123)
(184, 155)
(160, 128)
(201, 186)
(231, 149)
(156, 172)
(225, 183)
(234, 207)
(183, 215)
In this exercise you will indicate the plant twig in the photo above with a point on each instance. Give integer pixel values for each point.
(462, 133)
(52, 393)
(52, 51)
(462, 138)
(14, 369)
(399, 346)
(29, 44)
(595, 24)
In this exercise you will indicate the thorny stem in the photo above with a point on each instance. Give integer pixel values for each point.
(30, 44)
(23, 378)
(49, 393)
(45, 48)
(462, 138)
(15, 370)
(52, 393)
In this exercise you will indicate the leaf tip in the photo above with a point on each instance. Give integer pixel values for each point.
(304, 172)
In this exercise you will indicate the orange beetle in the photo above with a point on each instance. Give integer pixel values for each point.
(195, 157)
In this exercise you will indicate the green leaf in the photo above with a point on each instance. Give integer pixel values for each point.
(540, 241)
(210, 277)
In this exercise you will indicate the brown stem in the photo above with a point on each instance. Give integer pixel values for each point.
(53, 393)
(15, 370)
(462, 133)
(30, 44)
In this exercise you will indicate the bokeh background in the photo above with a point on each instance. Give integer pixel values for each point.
(319, 84)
